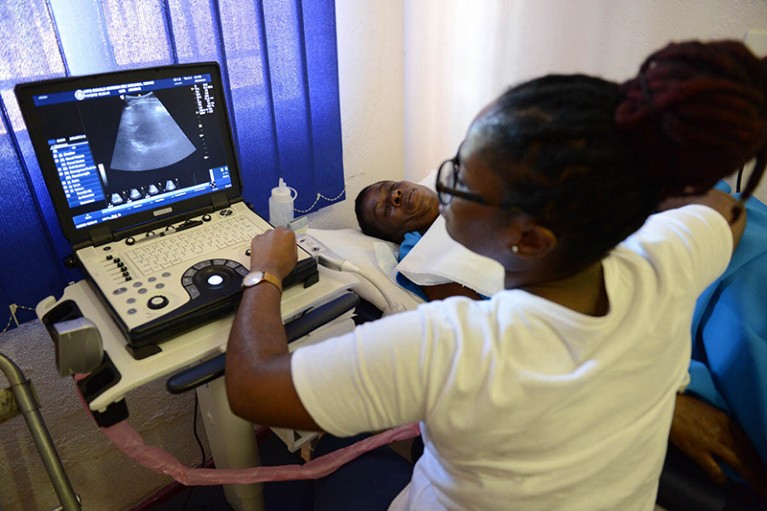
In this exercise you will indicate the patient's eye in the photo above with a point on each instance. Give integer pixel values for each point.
(387, 206)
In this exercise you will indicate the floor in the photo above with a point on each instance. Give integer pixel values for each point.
(198, 498)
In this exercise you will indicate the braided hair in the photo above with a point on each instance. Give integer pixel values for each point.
(698, 112)
(592, 159)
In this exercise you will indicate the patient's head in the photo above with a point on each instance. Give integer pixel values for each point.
(391, 209)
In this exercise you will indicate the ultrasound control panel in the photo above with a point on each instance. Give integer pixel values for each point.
(162, 283)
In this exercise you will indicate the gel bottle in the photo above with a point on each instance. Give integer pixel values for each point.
(281, 204)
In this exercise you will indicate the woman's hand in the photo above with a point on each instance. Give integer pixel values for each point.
(274, 251)
(708, 435)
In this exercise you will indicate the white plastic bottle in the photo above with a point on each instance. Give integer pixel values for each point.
(281, 204)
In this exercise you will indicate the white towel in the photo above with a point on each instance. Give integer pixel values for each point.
(438, 259)
(376, 260)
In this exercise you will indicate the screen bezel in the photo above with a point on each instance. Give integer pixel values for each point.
(119, 228)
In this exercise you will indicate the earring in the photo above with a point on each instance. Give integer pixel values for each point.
(515, 249)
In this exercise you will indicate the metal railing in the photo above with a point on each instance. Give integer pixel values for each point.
(20, 399)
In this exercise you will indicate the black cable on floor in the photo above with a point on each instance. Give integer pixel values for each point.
(199, 443)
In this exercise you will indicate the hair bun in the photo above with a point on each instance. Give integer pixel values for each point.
(696, 113)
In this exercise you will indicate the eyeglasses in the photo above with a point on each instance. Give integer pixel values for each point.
(448, 182)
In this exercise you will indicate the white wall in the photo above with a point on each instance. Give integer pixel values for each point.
(370, 54)
(460, 54)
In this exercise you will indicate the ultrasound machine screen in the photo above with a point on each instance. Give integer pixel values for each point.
(127, 148)
(141, 170)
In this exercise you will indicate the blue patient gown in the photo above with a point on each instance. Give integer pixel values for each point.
(410, 241)
(729, 331)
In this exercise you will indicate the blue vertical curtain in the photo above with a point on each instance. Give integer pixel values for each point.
(280, 66)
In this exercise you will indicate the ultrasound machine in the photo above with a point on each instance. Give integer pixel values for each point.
(141, 170)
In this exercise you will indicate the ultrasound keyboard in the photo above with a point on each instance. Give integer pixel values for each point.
(158, 285)
(167, 251)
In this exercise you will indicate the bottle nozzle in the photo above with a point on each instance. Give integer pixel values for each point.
(282, 190)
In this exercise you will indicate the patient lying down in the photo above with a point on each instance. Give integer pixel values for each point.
(402, 211)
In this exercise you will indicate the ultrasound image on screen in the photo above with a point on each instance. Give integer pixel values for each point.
(148, 137)
(135, 144)
(148, 140)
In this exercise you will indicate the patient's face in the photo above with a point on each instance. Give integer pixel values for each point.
(398, 207)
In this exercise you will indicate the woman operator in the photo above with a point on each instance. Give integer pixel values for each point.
(558, 392)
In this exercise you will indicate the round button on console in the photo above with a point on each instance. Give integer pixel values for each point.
(157, 302)
(215, 280)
